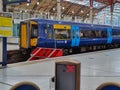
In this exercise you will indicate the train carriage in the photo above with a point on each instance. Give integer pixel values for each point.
(65, 35)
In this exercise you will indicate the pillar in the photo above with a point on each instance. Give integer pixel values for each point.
(91, 11)
(1, 9)
(58, 10)
(1, 6)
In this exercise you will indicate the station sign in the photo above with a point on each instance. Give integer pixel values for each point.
(5, 24)
(15, 1)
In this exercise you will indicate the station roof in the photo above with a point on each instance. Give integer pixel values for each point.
(68, 7)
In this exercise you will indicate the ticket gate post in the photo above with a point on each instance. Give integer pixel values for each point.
(67, 75)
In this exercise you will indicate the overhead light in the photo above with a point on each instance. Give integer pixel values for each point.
(54, 9)
(41, 13)
(96, 5)
(67, 0)
(28, 4)
(87, 14)
(81, 11)
(72, 11)
(20, 10)
(95, 13)
(63, 8)
(25, 10)
(38, 3)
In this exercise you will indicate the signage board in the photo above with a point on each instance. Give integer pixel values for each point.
(15, 1)
(5, 24)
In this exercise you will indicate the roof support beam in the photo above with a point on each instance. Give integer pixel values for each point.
(77, 12)
(67, 8)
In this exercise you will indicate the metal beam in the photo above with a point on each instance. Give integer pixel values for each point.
(91, 11)
(58, 10)
(81, 7)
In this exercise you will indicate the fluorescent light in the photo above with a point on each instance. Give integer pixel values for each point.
(81, 11)
(27, 4)
(72, 11)
(54, 9)
(38, 3)
(63, 8)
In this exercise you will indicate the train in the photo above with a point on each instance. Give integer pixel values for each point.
(69, 36)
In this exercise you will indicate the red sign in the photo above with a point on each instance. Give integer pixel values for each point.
(71, 68)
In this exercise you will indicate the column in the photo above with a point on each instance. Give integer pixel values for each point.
(1, 6)
(58, 10)
(91, 11)
(48, 15)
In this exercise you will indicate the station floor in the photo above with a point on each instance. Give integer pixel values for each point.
(96, 68)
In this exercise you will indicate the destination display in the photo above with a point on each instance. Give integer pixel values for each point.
(5, 24)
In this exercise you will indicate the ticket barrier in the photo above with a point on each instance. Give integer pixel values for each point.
(67, 75)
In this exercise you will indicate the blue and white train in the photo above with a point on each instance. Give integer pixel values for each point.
(67, 35)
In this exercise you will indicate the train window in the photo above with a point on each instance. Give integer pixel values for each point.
(62, 34)
(34, 31)
(116, 34)
(93, 34)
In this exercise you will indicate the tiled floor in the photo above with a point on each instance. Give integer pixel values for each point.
(96, 68)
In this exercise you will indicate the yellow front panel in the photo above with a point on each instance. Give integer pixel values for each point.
(33, 42)
(59, 26)
(33, 22)
(23, 36)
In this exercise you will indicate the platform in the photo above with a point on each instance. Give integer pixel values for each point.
(9, 47)
(96, 68)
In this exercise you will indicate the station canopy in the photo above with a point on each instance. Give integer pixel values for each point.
(79, 8)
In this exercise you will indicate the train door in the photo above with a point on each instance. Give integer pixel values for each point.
(33, 33)
(24, 38)
(109, 35)
(75, 36)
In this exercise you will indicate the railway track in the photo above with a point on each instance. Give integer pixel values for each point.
(14, 56)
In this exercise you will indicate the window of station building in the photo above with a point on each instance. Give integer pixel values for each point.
(62, 34)
(116, 34)
(34, 31)
(16, 28)
(93, 34)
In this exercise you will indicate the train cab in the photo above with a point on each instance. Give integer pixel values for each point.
(43, 34)
(28, 34)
